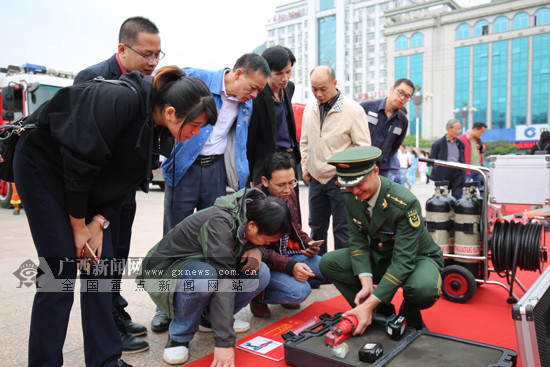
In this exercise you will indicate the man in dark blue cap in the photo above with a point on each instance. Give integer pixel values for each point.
(388, 244)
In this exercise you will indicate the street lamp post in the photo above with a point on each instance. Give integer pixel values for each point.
(464, 113)
(417, 100)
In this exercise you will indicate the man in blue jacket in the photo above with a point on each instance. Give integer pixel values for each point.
(200, 169)
(138, 50)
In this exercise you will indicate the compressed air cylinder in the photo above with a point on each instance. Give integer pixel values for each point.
(467, 219)
(437, 220)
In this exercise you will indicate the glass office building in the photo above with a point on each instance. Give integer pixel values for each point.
(488, 63)
(348, 35)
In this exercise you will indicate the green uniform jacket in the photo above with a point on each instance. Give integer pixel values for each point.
(394, 240)
(210, 236)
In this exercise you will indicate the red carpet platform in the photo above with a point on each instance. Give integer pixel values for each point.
(485, 318)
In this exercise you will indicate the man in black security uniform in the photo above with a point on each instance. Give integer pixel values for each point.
(382, 115)
(138, 49)
(388, 244)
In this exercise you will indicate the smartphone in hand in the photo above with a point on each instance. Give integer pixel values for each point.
(317, 243)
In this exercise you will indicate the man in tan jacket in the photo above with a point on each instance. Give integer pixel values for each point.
(331, 124)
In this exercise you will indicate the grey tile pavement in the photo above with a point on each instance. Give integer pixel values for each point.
(16, 303)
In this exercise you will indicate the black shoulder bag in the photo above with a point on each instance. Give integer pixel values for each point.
(9, 136)
(11, 132)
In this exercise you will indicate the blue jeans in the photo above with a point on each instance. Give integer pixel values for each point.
(284, 288)
(188, 305)
(325, 200)
(393, 175)
(474, 176)
(198, 188)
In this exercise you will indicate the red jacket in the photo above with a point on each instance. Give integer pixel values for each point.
(468, 149)
(275, 260)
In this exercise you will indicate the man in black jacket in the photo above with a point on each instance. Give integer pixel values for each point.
(450, 149)
(272, 126)
(138, 50)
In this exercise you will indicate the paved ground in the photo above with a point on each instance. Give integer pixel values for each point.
(15, 303)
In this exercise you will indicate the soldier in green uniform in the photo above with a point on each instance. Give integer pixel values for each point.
(388, 243)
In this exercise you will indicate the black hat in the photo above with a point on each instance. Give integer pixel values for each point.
(354, 164)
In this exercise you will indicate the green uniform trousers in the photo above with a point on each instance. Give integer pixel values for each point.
(420, 291)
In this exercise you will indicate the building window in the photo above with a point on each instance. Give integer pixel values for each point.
(358, 77)
(462, 75)
(499, 85)
(463, 31)
(521, 20)
(415, 75)
(480, 83)
(271, 33)
(500, 25)
(417, 40)
(539, 92)
(370, 23)
(542, 16)
(370, 36)
(326, 4)
(400, 67)
(358, 64)
(358, 38)
(520, 67)
(481, 28)
(327, 41)
(370, 50)
(401, 43)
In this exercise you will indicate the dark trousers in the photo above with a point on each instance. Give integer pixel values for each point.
(325, 200)
(53, 238)
(121, 233)
(420, 290)
(456, 183)
(198, 188)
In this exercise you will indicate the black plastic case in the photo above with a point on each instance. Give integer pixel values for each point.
(415, 348)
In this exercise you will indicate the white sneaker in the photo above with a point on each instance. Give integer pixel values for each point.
(175, 353)
(239, 326)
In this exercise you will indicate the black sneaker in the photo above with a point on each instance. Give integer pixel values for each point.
(160, 322)
(132, 344)
(121, 363)
(132, 328)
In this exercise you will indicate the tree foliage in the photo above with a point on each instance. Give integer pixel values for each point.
(410, 141)
(500, 147)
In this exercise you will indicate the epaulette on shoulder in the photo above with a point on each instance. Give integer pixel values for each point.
(396, 201)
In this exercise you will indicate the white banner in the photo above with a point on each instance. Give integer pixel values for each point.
(530, 132)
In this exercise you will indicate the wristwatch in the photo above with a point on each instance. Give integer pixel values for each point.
(104, 223)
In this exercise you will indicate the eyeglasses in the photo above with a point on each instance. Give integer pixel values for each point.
(281, 187)
(158, 56)
(401, 93)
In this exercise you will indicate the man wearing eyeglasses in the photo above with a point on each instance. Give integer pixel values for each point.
(451, 149)
(138, 50)
(388, 124)
(293, 260)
